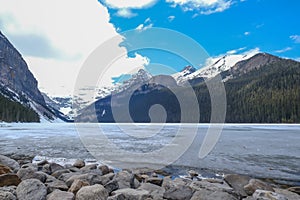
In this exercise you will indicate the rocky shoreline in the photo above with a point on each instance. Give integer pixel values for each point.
(21, 179)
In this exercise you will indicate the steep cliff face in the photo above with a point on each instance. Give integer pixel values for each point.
(15, 73)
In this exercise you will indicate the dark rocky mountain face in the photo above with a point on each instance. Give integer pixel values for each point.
(15, 73)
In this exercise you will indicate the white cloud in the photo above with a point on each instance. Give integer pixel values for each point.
(171, 18)
(146, 25)
(283, 50)
(125, 12)
(125, 7)
(137, 4)
(234, 51)
(73, 28)
(205, 7)
(295, 38)
(247, 33)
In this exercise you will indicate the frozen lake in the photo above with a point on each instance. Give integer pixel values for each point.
(271, 151)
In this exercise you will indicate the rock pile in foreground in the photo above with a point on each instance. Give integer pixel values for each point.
(51, 181)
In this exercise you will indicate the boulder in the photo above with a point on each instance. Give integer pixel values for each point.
(180, 192)
(198, 185)
(31, 189)
(55, 167)
(255, 184)
(4, 169)
(104, 169)
(111, 186)
(89, 167)
(53, 184)
(11, 189)
(58, 173)
(60, 195)
(9, 179)
(126, 180)
(237, 182)
(132, 194)
(77, 185)
(295, 189)
(212, 195)
(94, 192)
(288, 194)
(5, 195)
(91, 178)
(155, 191)
(79, 163)
(12, 164)
(155, 181)
(30, 173)
(267, 195)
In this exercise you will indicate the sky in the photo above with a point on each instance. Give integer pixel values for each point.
(56, 37)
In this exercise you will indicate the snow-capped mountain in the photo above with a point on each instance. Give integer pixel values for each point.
(213, 67)
(142, 76)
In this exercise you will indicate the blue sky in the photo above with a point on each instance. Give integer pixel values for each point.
(55, 37)
(273, 26)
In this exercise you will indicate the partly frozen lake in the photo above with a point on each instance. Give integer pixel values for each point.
(271, 151)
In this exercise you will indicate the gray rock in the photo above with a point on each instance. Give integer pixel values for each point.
(46, 168)
(65, 176)
(58, 173)
(132, 194)
(117, 197)
(30, 173)
(288, 194)
(111, 186)
(295, 189)
(267, 195)
(212, 195)
(91, 178)
(60, 195)
(53, 184)
(55, 167)
(94, 192)
(237, 182)
(155, 181)
(126, 180)
(255, 184)
(155, 191)
(79, 163)
(104, 169)
(77, 185)
(198, 185)
(9, 179)
(11, 189)
(180, 192)
(12, 164)
(30, 165)
(89, 167)
(31, 189)
(5, 195)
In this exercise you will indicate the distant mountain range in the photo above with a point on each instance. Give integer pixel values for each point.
(260, 88)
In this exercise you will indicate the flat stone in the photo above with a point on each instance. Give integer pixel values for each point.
(237, 182)
(295, 189)
(31, 189)
(198, 185)
(94, 192)
(255, 184)
(155, 191)
(288, 194)
(5, 169)
(212, 195)
(180, 192)
(9, 179)
(267, 195)
(155, 181)
(60, 195)
(132, 194)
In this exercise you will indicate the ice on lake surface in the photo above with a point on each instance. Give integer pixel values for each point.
(271, 151)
